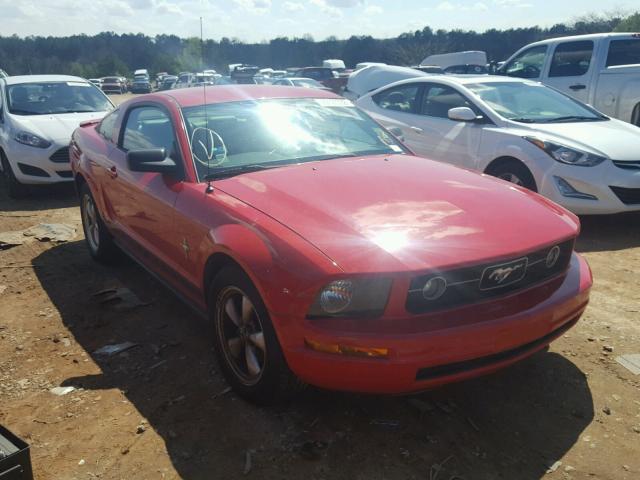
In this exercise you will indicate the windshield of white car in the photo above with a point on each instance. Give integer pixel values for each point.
(310, 83)
(248, 135)
(533, 103)
(45, 98)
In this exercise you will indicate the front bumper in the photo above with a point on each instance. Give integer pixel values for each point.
(484, 338)
(33, 166)
(596, 181)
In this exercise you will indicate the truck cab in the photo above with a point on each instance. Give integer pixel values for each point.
(602, 70)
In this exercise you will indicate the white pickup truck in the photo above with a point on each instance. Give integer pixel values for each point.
(602, 70)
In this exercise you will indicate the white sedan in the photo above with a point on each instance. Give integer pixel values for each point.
(38, 114)
(520, 131)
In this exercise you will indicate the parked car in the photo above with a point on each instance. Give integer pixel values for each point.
(374, 77)
(168, 82)
(38, 113)
(470, 62)
(300, 82)
(113, 85)
(96, 81)
(326, 76)
(334, 64)
(602, 70)
(319, 247)
(520, 131)
(141, 84)
(185, 80)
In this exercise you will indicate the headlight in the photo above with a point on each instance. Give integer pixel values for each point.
(351, 297)
(32, 140)
(567, 155)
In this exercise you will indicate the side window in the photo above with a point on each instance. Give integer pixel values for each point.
(439, 99)
(106, 126)
(571, 59)
(624, 52)
(149, 127)
(402, 98)
(528, 64)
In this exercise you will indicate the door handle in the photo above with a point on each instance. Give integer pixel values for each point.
(578, 87)
(113, 172)
(416, 129)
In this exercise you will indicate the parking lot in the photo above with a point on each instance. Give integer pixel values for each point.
(162, 410)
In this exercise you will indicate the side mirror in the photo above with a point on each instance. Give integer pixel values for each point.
(397, 132)
(462, 114)
(151, 160)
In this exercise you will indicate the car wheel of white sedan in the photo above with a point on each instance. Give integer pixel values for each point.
(513, 171)
(245, 342)
(14, 188)
(98, 238)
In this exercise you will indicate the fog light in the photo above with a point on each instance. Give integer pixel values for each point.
(552, 257)
(567, 190)
(346, 349)
(434, 288)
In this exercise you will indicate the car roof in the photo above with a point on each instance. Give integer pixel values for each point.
(191, 97)
(18, 79)
(462, 79)
(591, 36)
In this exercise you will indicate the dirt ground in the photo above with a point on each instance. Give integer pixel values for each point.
(161, 409)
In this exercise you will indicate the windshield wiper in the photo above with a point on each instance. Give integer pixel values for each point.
(227, 172)
(25, 112)
(523, 120)
(578, 118)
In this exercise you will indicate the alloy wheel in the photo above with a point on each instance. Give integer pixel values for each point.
(242, 335)
(90, 220)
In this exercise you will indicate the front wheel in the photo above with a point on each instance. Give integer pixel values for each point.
(99, 240)
(245, 341)
(15, 189)
(514, 171)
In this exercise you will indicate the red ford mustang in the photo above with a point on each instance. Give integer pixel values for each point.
(319, 247)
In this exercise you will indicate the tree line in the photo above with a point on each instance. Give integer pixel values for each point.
(108, 53)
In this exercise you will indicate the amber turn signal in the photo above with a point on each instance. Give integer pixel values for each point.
(346, 349)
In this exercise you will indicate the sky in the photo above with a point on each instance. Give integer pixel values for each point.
(258, 20)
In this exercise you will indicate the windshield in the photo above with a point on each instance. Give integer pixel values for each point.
(309, 83)
(269, 133)
(56, 97)
(532, 103)
(111, 80)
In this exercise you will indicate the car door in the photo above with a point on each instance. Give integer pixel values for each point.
(397, 107)
(144, 201)
(571, 68)
(444, 139)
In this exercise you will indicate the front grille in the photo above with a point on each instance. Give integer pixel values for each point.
(31, 170)
(60, 156)
(474, 284)
(430, 373)
(628, 196)
(632, 165)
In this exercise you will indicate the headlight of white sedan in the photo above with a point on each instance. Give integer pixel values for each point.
(31, 139)
(352, 297)
(567, 155)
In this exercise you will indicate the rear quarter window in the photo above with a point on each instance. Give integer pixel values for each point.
(624, 52)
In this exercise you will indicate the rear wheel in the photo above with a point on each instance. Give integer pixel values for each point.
(99, 240)
(245, 341)
(635, 116)
(15, 189)
(513, 171)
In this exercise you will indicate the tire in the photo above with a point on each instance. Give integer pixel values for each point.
(99, 241)
(514, 171)
(245, 341)
(15, 189)
(635, 116)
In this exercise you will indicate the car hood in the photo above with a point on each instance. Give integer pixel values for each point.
(614, 139)
(57, 127)
(398, 213)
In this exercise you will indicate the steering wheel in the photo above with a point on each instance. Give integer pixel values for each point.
(531, 71)
(204, 143)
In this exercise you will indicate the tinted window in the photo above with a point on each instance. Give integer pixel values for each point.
(149, 127)
(439, 99)
(528, 64)
(571, 59)
(624, 52)
(107, 125)
(403, 98)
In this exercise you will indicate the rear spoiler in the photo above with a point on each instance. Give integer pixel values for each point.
(88, 123)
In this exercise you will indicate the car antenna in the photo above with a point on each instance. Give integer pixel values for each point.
(209, 188)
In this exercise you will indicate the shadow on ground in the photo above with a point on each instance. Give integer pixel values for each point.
(609, 232)
(510, 425)
(45, 197)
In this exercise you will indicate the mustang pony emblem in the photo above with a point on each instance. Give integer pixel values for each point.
(501, 274)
